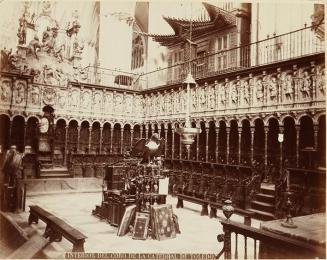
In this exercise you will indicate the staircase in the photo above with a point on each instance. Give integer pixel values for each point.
(264, 204)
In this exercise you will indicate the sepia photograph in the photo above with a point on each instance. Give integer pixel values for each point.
(178, 129)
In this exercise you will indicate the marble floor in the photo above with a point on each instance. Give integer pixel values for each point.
(198, 233)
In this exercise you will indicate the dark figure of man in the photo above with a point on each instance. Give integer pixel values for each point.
(12, 169)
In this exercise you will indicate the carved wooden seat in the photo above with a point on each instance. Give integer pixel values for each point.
(204, 203)
(57, 228)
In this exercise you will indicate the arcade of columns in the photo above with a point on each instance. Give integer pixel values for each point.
(240, 115)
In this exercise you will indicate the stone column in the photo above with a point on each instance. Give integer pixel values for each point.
(315, 162)
(146, 131)
(180, 147)
(239, 144)
(217, 142)
(252, 129)
(227, 145)
(141, 131)
(197, 146)
(173, 141)
(121, 140)
(207, 143)
(10, 132)
(24, 140)
(166, 139)
(100, 145)
(266, 129)
(281, 131)
(90, 137)
(78, 137)
(111, 137)
(66, 142)
(132, 135)
(297, 129)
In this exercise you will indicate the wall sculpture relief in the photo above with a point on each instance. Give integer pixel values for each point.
(35, 95)
(5, 89)
(19, 93)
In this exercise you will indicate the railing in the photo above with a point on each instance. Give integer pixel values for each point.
(258, 243)
(283, 47)
(112, 78)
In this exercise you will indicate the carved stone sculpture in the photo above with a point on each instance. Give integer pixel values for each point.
(306, 85)
(222, 94)
(19, 93)
(259, 90)
(288, 87)
(273, 88)
(5, 91)
(233, 94)
(246, 92)
(49, 39)
(33, 46)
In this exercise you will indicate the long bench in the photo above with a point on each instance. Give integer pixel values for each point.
(57, 228)
(213, 207)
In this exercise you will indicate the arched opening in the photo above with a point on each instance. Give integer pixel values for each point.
(306, 140)
(258, 142)
(136, 134)
(95, 138)
(246, 143)
(17, 133)
(150, 131)
(32, 133)
(127, 138)
(116, 139)
(72, 137)
(289, 143)
(84, 137)
(4, 133)
(59, 143)
(212, 142)
(169, 141)
(177, 143)
(233, 142)
(322, 141)
(273, 151)
(106, 138)
(202, 142)
(273, 144)
(222, 142)
(193, 145)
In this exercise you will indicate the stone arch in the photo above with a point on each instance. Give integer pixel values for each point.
(245, 157)
(321, 146)
(116, 138)
(4, 132)
(289, 143)
(106, 137)
(72, 135)
(17, 132)
(222, 141)
(259, 139)
(306, 141)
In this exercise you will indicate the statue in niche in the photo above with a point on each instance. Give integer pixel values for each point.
(233, 94)
(320, 81)
(62, 100)
(222, 94)
(49, 39)
(194, 100)
(78, 47)
(97, 101)
(272, 86)
(19, 93)
(259, 90)
(5, 88)
(246, 92)
(35, 95)
(60, 77)
(75, 99)
(108, 101)
(118, 103)
(48, 75)
(306, 85)
(33, 47)
(288, 87)
(22, 30)
(169, 103)
(59, 53)
(202, 98)
(86, 100)
(212, 98)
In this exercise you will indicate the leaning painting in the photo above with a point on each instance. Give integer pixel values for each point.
(162, 130)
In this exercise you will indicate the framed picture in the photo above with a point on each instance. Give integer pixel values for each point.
(126, 220)
(141, 226)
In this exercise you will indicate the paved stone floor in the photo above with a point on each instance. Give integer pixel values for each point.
(198, 233)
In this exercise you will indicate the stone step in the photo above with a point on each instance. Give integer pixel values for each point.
(265, 198)
(267, 190)
(262, 215)
(263, 206)
(52, 172)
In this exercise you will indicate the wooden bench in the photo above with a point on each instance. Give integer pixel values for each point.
(213, 207)
(56, 228)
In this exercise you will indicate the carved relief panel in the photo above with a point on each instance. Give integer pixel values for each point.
(34, 95)
(75, 98)
(320, 82)
(304, 85)
(97, 101)
(62, 99)
(19, 93)
(5, 90)
(86, 100)
(272, 90)
(233, 95)
(108, 102)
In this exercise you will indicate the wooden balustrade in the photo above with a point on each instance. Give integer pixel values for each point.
(259, 243)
